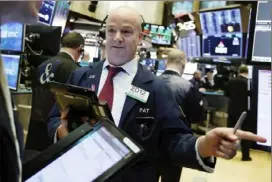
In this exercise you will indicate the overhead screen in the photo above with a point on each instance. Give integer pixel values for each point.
(46, 12)
(12, 69)
(12, 37)
(264, 106)
(212, 4)
(61, 14)
(261, 51)
(182, 7)
(160, 35)
(222, 33)
(191, 46)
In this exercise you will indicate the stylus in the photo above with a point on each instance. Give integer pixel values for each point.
(240, 121)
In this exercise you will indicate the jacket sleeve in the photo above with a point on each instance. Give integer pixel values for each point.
(177, 143)
(54, 116)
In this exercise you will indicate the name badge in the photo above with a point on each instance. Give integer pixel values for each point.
(138, 94)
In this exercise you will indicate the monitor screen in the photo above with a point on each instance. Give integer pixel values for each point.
(12, 37)
(61, 14)
(225, 45)
(95, 154)
(46, 12)
(191, 46)
(190, 68)
(261, 51)
(182, 7)
(12, 69)
(212, 4)
(264, 106)
(160, 35)
(221, 21)
(187, 76)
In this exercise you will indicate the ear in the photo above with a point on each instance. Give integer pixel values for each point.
(141, 36)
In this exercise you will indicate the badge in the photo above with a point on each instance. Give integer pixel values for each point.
(138, 94)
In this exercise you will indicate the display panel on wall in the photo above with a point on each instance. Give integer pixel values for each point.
(182, 7)
(222, 33)
(212, 4)
(261, 33)
(61, 14)
(46, 12)
(160, 35)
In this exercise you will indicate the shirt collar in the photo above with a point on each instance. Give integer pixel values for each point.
(172, 69)
(130, 67)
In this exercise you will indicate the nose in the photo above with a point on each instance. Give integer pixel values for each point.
(118, 36)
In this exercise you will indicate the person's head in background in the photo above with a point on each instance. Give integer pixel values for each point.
(86, 57)
(209, 75)
(243, 71)
(123, 34)
(19, 11)
(197, 75)
(176, 61)
(73, 44)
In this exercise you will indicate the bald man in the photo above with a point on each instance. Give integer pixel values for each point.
(164, 134)
(11, 134)
(187, 97)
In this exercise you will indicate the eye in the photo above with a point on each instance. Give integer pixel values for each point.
(111, 30)
(127, 32)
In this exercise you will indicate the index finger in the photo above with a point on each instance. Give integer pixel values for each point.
(250, 136)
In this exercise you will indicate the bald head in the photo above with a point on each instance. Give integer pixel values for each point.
(127, 14)
(123, 34)
(176, 57)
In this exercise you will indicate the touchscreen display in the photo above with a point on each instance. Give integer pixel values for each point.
(86, 160)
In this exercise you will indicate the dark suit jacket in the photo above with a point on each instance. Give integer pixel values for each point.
(237, 91)
(186, 95)
(42, 99)
(167, 134)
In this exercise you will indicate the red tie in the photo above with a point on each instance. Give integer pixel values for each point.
(106, 93)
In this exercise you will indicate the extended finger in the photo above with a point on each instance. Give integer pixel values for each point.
(64, 114)
(229, 145)
(250, 136)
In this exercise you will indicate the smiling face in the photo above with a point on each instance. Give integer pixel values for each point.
(123, 34)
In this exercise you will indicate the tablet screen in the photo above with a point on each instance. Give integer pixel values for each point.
(89, 158)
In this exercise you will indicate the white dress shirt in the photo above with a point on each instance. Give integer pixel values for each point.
(121, 85)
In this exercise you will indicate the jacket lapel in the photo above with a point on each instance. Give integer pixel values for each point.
(93, 76)
(141, 79)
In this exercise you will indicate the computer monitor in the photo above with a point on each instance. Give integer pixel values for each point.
(261, 51)
(212, 4)
(182, 7)
(264, 106)
(61, 14)
(12, 37)
(161, 65)
(160, 35)
(47, 39)
(46, 12)
(190, 68)
(12, 69)
(221, 21)
(223, 45)
(191, 46)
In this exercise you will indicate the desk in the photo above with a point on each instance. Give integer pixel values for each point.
(213, 93)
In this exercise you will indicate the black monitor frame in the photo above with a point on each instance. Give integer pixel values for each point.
(254, 103)
(251, 34)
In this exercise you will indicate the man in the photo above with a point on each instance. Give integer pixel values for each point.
(164, 133)
(196, 80)
(187, 97)
(11, 134)
(56, 69)
(237, 91)
(207, 80)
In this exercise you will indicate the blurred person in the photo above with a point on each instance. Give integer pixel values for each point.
(58, 68)
(237, 91)
(208, 81)
(11, 132)
(187, 97)
(196, 80)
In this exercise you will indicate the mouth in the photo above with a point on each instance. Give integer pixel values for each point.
(117, 47)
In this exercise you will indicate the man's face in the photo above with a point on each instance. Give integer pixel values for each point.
(122, 37)
(198, 75)
(20, 11)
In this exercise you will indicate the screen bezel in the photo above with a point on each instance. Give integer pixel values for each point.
(4, 51)
(254, 103)
(52, 153)
(18, 71)
(251, 36)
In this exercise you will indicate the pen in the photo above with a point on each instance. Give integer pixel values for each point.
(240, 121)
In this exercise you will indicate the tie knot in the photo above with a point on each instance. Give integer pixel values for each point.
(113, 71)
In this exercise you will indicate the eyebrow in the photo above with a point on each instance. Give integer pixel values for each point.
(123, 26)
